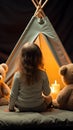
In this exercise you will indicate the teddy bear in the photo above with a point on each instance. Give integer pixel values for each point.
(4, 88)
(64, 99)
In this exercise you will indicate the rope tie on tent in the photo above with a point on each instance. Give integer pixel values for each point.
(39, 6)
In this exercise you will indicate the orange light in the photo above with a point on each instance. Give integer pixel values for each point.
(55, 88)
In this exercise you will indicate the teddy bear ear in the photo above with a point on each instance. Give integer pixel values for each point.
(5, 66)
(63, 70)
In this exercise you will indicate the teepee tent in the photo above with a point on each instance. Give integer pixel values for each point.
(41, 31)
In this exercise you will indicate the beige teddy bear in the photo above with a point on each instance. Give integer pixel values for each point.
(4, 89)
(64, 99)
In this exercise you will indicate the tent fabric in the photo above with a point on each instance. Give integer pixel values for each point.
(15, 16)
(35, 27)
(50, 59)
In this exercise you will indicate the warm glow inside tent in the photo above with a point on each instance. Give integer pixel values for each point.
(41, 31)
(51, 64)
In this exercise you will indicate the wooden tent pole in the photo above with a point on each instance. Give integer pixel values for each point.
(44, 3)
(39, 12)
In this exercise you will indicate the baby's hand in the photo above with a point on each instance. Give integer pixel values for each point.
(6, 110)
(12, 110)
(55, 103)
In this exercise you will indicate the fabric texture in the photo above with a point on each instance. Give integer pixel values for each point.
(51, 118)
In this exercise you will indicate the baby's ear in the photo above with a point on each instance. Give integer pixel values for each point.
(5, 66)
(63, 70)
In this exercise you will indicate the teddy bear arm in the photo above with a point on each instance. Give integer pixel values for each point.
(4, 101)
(5, 89)
(63, 96)
(60, 99)
(1, 93)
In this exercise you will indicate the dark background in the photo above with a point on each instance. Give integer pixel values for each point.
(15, 15)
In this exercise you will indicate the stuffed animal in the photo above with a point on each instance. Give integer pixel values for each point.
(4, 89)
(64, 99)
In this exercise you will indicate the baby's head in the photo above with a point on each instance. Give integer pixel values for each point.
(31, 55)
